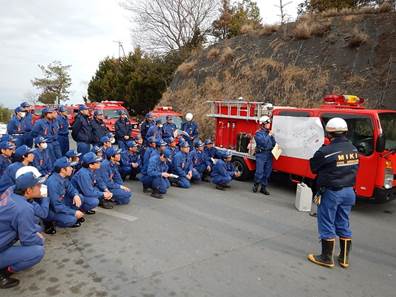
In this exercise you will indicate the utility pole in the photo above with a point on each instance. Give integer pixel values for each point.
(120, 48)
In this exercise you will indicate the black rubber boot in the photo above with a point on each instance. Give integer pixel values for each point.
(106, 204)
(264, 190)
(345, 247)
(6, 281)
(326, 258)
(49, 228)
(255, 187)
(205, 178)
(157, 195)
(90, 212)
(76, 225)
(220, 187)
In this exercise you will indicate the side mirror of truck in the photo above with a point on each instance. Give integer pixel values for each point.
(380, 143)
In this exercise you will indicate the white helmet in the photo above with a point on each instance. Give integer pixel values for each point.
(189, 116)
(37, 174)
(264, 120)
(26, 169)
(336, 125)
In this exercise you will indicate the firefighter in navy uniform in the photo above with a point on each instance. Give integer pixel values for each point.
(191, 128)
(265, 142)
(145, 125)
(82, 130)
(336, 166)
(99, 128)
(63, 132)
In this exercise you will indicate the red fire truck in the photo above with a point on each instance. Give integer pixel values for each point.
(301, 132)
(111, 111)
(162, 112)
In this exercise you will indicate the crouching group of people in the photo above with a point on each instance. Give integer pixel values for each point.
(31, 202)
(176, 163)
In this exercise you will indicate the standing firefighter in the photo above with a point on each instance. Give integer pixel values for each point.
(191, 128)
(123, 130)
(336, 166)
(265, 142)
(63, 133)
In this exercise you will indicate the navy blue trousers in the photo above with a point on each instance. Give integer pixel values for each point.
(263, 168)
(19, 258)
(333, 213)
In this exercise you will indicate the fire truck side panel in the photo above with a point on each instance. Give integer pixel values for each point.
(294, 166)
(250, 163)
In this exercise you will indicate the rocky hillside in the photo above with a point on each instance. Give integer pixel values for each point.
(296, 64)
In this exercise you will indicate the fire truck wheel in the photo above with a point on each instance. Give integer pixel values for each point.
(240, 166)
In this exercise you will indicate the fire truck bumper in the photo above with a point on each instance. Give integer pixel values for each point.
(384, 195)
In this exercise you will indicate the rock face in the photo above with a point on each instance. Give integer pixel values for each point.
(296, 65)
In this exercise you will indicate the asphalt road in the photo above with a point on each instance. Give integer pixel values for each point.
(204, 242)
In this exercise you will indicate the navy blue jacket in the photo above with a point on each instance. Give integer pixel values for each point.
(17, 222)
(85, 182)
(336, 164)
(264, 142)
(122, 128)
(127, 158)
(99, 130)
(191, 128)
(168, 130)
(156, 167)
(63, 124)
(144, 127)
(212, 152)
(181, 164)
(47, 129)
(59, 189)
(15, 126)
(4, 163)
(110, 175)
(82, 129)
(150, 151)
(28, 122)
(8, 178)
(222, 169)
(200, 158)
(42, 161)
(154, 131)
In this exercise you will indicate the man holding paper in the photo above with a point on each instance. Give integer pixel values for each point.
(265, 143)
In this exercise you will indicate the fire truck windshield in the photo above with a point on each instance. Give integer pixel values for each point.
(388, 124)
(176, 120)
(360, 131)
(111, 113)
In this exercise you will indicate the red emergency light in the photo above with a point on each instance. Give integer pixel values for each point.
(164, 108)
(343, 100)
(112, 102)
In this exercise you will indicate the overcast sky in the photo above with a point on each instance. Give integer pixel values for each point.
(79, 33)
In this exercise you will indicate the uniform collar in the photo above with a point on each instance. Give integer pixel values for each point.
(58, 176)
(340, 139)
(18, 197)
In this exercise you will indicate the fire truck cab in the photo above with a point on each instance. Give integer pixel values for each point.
(373, 132)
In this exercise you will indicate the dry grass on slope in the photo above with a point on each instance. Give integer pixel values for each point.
(264, 79)
(187, 68)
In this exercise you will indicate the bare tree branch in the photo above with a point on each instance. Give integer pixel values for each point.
(163, 25)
